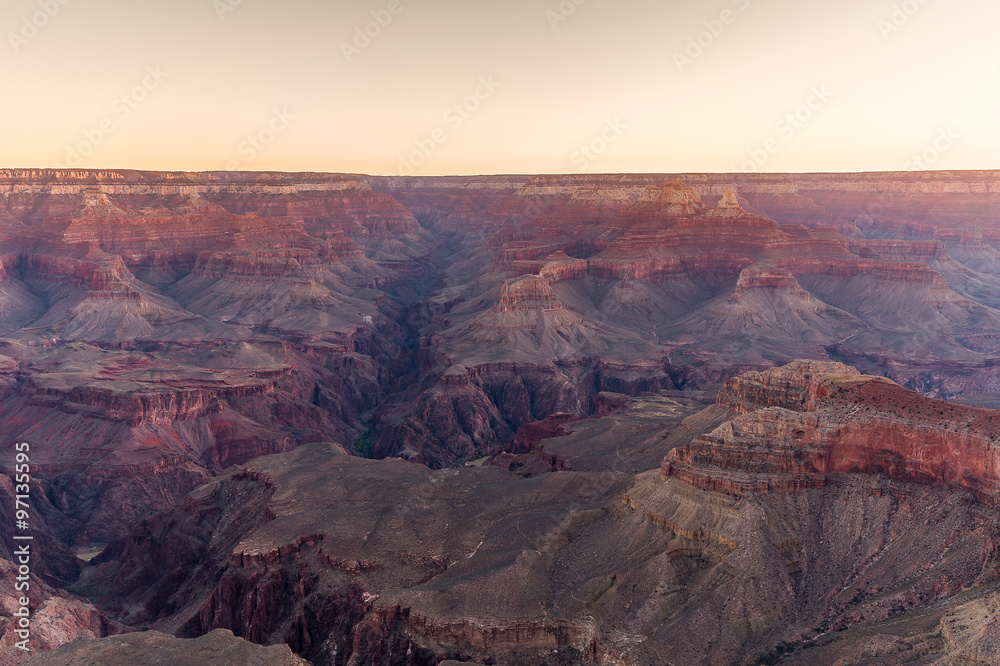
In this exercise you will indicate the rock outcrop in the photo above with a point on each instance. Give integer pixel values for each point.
(673, 198)
(807, 424)
(571, 553)
(729, 206)
(230, 315)
(527, 293)
(36, 612)
(162, 327)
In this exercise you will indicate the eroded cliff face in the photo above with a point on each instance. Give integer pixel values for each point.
(807, 424)
(645, 264)
(275, 573)
(158, 328)
(57, 617)
(553, 289)
(742, 547)
(151, 646)
(230, 315)
(38, 569)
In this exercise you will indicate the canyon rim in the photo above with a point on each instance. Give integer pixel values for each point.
(346, 419)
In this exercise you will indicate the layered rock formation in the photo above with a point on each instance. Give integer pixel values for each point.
(156, 329)
(432, 318)
(155, 326)
(808, 424)
(572, 554)
(706, 293)
(729, 206)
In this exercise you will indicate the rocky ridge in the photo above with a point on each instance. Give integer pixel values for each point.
(806, 424)
(587, 558)
(157, 328)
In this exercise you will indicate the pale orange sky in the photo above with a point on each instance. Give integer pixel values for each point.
(263, 84)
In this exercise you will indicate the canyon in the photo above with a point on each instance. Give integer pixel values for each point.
(507, 419)
(571, 552)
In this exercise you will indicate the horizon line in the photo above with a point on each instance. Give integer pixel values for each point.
(499, 174)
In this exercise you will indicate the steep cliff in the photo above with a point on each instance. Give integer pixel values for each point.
(807, 424)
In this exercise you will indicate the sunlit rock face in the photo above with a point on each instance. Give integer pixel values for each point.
(807, 424)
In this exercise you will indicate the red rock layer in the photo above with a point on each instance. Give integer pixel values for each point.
(768, 278)
(802, 425)
(796, 386)
(527, 293)
(596, 267)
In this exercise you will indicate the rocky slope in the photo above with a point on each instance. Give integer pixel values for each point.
(191, 321)
(158, 328)
(569, 553)
(690, 284)
(217, 647)
(177, 335)
(55, 616)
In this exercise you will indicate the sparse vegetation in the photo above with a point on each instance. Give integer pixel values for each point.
(363, 444)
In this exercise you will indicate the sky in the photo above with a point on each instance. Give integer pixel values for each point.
(455, 87)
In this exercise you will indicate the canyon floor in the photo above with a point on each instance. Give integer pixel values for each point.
(621, 419)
